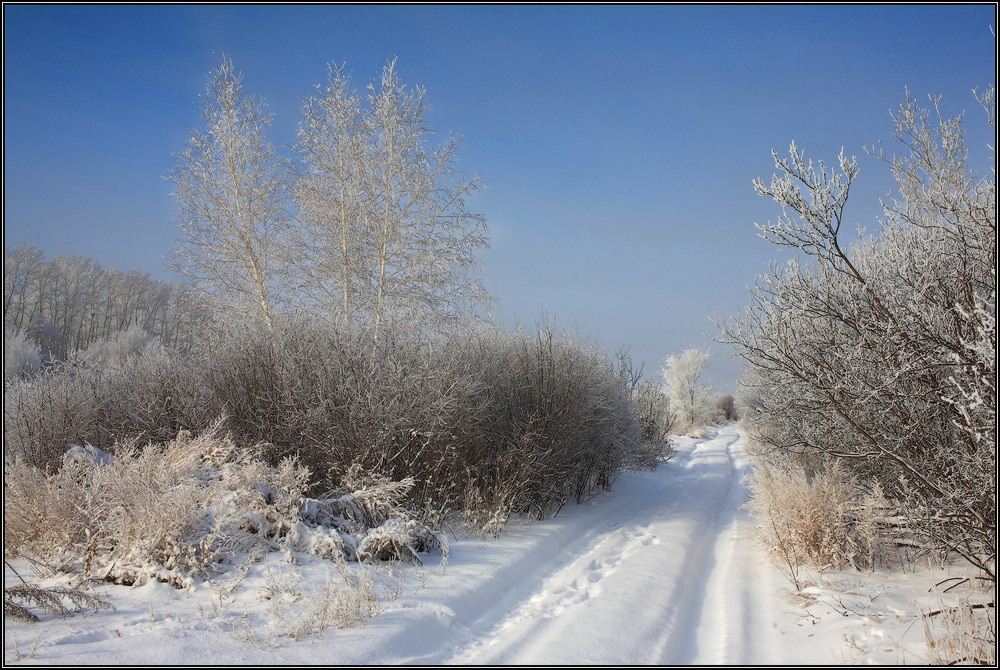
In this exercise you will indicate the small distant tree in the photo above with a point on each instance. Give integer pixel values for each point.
(689, 397)
(229, 188)
(726, 406)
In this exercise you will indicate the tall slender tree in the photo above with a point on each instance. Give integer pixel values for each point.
(423, 237)
(229, 188)
(326, 246)
(384, 232)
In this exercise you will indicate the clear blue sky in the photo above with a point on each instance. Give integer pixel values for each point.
(619, 143)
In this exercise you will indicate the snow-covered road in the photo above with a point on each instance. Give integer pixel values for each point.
(668, 574)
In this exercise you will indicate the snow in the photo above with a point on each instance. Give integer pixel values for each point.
(662, 569)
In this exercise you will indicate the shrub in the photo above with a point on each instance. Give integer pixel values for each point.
(186, 509)
(150, 395)
(21, 356)
(494, 422)
(817, 515)
(657, 419)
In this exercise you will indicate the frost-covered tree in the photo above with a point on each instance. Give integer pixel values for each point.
(882, 355)
(726, 405)
(21, 266)
(327, 246)
(70, 302)
(21, 356)
(689, 396)
(384, 232)
(229, 188)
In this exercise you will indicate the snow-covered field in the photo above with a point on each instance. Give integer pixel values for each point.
(660, 570)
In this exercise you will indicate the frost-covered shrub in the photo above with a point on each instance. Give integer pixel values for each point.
(21, 356)
(819, 516)
(44, 415)
(189, 508)
(528, 421)
(117, 349)
(558, 421)
(505, 421)
(150, 395)
(657, 421)
(883, 354)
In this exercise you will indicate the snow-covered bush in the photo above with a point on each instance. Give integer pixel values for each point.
(657, 421)
(150, 394)
(189, 508)
(117, 349)
(507, 421)
(528, 421)
(884, 355)
(44, 415)
(21, 356)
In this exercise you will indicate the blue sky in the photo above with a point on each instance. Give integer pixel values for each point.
(618, 143)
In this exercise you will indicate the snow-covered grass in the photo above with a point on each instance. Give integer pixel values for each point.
(663, 568)
(880, 617)
(196, 507)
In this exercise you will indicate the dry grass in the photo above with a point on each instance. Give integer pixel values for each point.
(821, 519)
(962, 635)
(192, 508)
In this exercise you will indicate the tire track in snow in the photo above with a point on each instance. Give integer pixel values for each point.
(685, 631)
(559, 581)
(730, 625)
(564, 591)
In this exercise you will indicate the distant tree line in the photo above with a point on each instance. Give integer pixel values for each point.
(68, 303)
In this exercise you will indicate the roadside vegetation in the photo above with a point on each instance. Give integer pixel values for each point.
(869, 389)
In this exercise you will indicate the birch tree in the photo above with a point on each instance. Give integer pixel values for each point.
(423, 236)
(229, 191)
(385, 232)
(327, 246)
